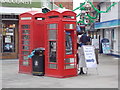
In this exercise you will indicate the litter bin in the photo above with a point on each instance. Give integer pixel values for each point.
(38, 62)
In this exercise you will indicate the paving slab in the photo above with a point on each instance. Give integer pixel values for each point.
(107, 76)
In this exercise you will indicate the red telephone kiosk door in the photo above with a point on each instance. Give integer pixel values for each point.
(70, 64)
(25, 30)
(70, 41)
(51, 56)
(61, 50)
(60, 57)
(31, 36)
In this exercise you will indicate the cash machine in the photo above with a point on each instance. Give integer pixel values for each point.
(60, 44)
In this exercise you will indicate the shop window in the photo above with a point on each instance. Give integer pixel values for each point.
(8, 47)
(8, 38)
(113, 34)
(112, 37)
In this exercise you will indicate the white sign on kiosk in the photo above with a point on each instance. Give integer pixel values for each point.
(87, 56)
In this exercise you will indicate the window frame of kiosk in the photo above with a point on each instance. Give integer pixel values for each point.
(52, 39)
(69, 61)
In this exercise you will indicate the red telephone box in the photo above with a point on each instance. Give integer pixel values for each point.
(60, 44)
(31, 36)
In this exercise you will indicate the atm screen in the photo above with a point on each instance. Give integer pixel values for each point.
(68, 43)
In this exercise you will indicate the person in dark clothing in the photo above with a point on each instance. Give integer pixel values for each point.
(89, 40)
(84, 40)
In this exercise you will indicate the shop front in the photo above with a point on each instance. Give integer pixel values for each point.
(110, 30)
(9, 37)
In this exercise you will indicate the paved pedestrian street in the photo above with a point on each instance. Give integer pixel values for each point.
(107, 76)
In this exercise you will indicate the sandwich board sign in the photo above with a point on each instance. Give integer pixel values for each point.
(87, 56)
(105, 46)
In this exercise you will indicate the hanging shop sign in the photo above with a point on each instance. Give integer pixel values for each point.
(87, 57)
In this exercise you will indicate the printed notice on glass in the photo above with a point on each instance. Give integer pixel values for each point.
(8, 39)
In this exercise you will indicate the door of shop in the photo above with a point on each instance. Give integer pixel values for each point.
(9, 40)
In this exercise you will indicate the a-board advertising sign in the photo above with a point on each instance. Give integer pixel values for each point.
(105, 46)
(87, 56)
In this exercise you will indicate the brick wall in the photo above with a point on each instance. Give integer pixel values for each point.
(68, 4)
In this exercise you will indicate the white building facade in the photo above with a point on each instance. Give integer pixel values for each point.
(109, 26)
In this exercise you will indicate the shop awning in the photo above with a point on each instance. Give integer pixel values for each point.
(107, 24)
